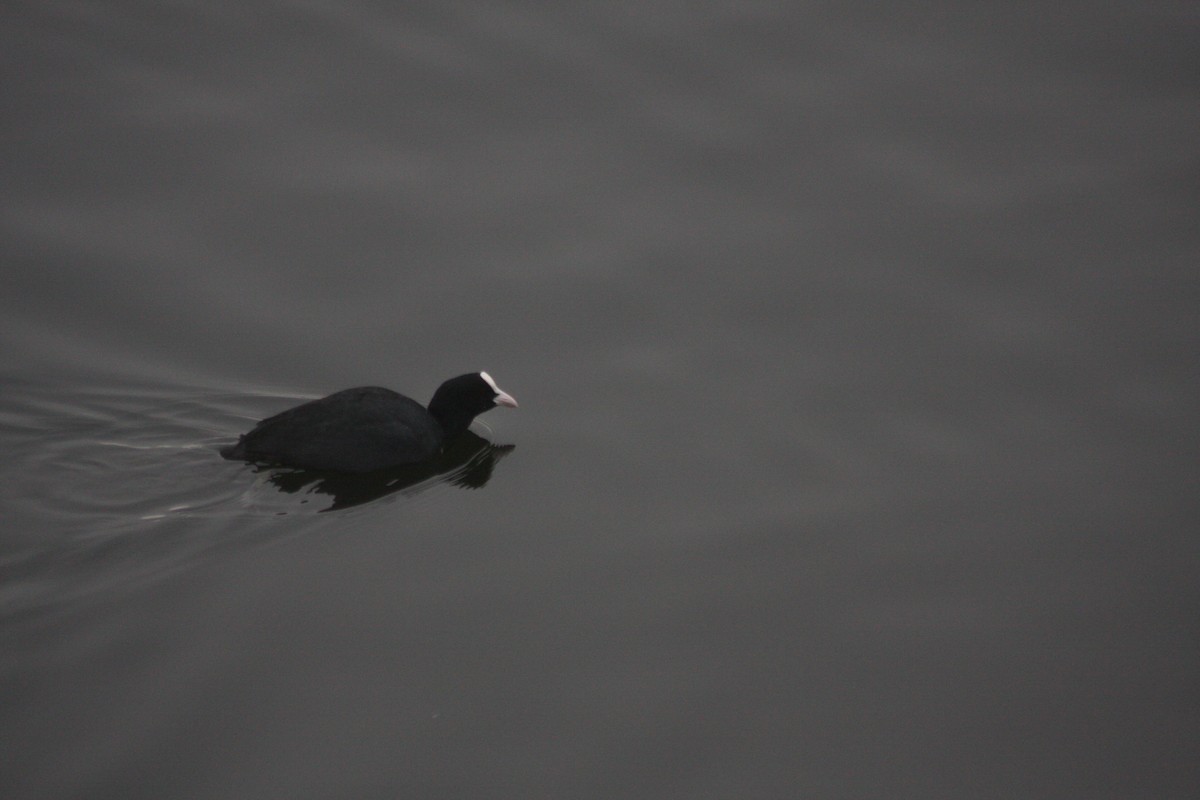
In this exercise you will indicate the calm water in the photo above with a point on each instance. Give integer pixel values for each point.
(856, 348)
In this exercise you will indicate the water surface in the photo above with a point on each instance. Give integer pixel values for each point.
(857, 450)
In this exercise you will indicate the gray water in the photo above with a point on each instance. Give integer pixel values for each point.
(856, 349)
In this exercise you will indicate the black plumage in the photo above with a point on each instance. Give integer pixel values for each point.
(369, 428)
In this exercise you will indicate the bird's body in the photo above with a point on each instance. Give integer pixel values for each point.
(368, 428)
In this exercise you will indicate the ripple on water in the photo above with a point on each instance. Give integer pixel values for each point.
(103, 485)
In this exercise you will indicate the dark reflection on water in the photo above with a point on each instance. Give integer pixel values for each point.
(467, 462)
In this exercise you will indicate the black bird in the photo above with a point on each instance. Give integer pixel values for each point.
(369, 428)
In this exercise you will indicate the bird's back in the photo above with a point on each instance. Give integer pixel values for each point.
(354, 430)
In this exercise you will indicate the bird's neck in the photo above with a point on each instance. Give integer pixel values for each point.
(452, 422)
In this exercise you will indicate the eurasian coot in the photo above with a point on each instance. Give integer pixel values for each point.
(369, 428)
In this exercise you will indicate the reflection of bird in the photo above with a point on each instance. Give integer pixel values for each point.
(468, 462)
(369, 428)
